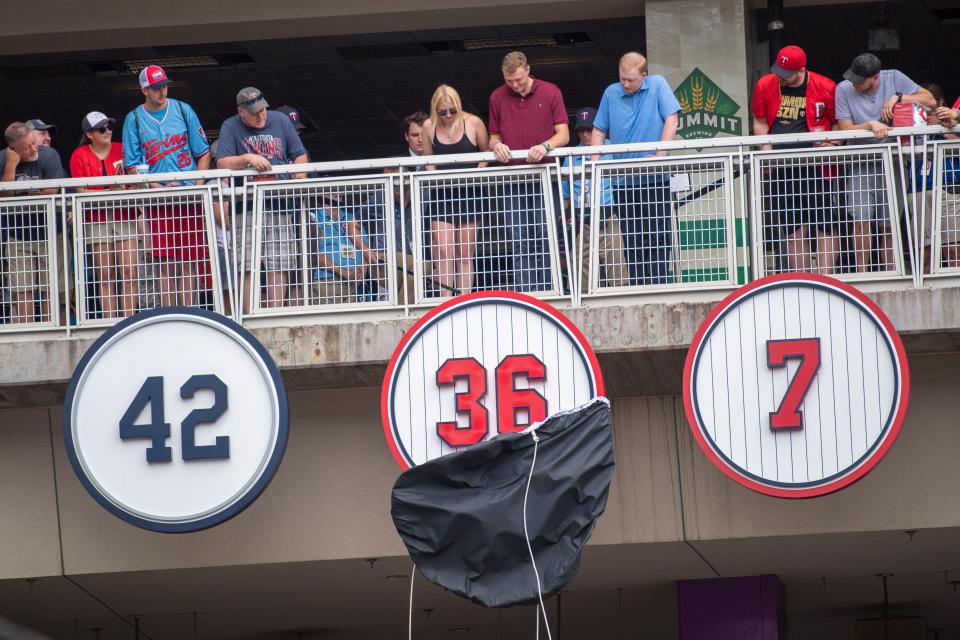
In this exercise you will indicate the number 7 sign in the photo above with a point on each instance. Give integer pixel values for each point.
(796, 385)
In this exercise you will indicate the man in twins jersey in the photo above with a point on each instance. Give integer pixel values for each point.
(166, 135)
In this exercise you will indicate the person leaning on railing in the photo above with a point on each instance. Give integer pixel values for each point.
(641, 108)
(453, 211)
(25, 231)
(793, 99)
(515, 124)
(865, 101)
(108, 230)
(260, 138)
(164, 135)
(921, 180)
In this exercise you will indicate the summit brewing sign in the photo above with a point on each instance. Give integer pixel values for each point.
(705, 110)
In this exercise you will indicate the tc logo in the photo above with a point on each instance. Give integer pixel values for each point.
(784, 59)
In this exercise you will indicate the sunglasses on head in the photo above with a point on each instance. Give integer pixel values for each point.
(252, 100)
(443, 112)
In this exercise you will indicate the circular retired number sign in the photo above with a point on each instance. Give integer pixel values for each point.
(478, 365)
(176, 420)
(796, 385)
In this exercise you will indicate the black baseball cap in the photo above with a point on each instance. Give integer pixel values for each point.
(585, 118)
(863, 67)
(294, 116)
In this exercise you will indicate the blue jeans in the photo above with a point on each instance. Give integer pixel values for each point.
(644, 206)
(525, 215)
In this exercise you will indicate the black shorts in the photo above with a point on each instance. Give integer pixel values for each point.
(454, 204)
(800, 196)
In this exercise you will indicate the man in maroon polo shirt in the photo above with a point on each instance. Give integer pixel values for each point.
(527, 113)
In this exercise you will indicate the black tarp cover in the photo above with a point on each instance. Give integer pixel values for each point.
(461, 515)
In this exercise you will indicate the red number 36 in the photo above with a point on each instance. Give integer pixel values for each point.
(510, 400)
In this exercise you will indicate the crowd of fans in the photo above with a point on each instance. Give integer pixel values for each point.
(164, 135)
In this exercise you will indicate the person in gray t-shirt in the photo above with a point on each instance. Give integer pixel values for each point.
(257, 138)
(865, 100)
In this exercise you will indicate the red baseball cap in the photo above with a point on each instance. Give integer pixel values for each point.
(790, 59)
(153, 76)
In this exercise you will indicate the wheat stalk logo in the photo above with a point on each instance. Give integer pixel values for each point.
(697, 89)
(712, 97)
(684, 100)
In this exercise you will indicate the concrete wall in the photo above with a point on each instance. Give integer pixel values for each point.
(330, 498)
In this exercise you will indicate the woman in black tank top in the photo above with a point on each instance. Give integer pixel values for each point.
(452, 207)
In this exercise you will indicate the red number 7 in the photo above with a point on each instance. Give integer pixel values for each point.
(788, 414)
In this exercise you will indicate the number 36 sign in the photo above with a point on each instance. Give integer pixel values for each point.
(796, 385)
(176, 420)
(478, 365)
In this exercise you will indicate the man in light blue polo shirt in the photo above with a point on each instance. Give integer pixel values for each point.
(641, 108)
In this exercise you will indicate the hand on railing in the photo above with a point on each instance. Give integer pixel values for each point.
(879, 129)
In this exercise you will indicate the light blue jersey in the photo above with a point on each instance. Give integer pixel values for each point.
(168, 141)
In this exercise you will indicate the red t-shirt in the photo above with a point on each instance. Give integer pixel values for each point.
(526, 121)
(85, 164)
(956, 105)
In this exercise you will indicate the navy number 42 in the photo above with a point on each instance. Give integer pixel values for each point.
(158, 430)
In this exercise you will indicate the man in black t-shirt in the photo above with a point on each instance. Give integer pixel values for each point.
(24, 227)
(798, 202)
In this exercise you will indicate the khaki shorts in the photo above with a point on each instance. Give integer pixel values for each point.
(949, 217)
(110, 231)
(278, 238)
(613, 265)
(28, 264)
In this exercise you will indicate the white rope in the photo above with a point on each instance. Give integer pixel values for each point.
(533, 561)
(413, 572)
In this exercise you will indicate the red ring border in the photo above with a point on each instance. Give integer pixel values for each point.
(840, 483)
(441, 309)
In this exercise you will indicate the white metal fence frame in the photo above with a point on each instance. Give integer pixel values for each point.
(139, 200)
(679, 170)
(739, 156)
(45, 205)
(883, 153)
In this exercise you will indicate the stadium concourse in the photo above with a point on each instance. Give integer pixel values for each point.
(763, 257)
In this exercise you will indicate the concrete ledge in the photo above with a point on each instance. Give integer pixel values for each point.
(641, 344)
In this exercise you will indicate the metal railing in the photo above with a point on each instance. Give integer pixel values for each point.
(376, 234)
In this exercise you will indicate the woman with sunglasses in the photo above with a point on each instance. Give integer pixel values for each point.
(110, 231)
(453, 209)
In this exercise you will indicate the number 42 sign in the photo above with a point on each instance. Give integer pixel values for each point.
(796, 385)
(176, 419)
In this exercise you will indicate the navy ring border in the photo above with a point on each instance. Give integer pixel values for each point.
(849, 468)
(283, 429)
(508, 301)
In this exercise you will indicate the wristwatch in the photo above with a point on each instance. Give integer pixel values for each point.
(899, 96)
(547, 146)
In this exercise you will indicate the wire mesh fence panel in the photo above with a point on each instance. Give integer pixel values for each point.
(144, 249)
(943, 210)
(832, 212)
(31, 229)
(663, 223)
(483, 230)
(320, 243)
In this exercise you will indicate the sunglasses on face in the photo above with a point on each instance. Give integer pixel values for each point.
(443, 112)
(252, 100)
(103, 129)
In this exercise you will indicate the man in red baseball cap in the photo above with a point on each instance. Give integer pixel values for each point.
(792, 99)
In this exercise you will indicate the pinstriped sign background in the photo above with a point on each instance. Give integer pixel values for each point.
(796, 385)
(488, 328)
